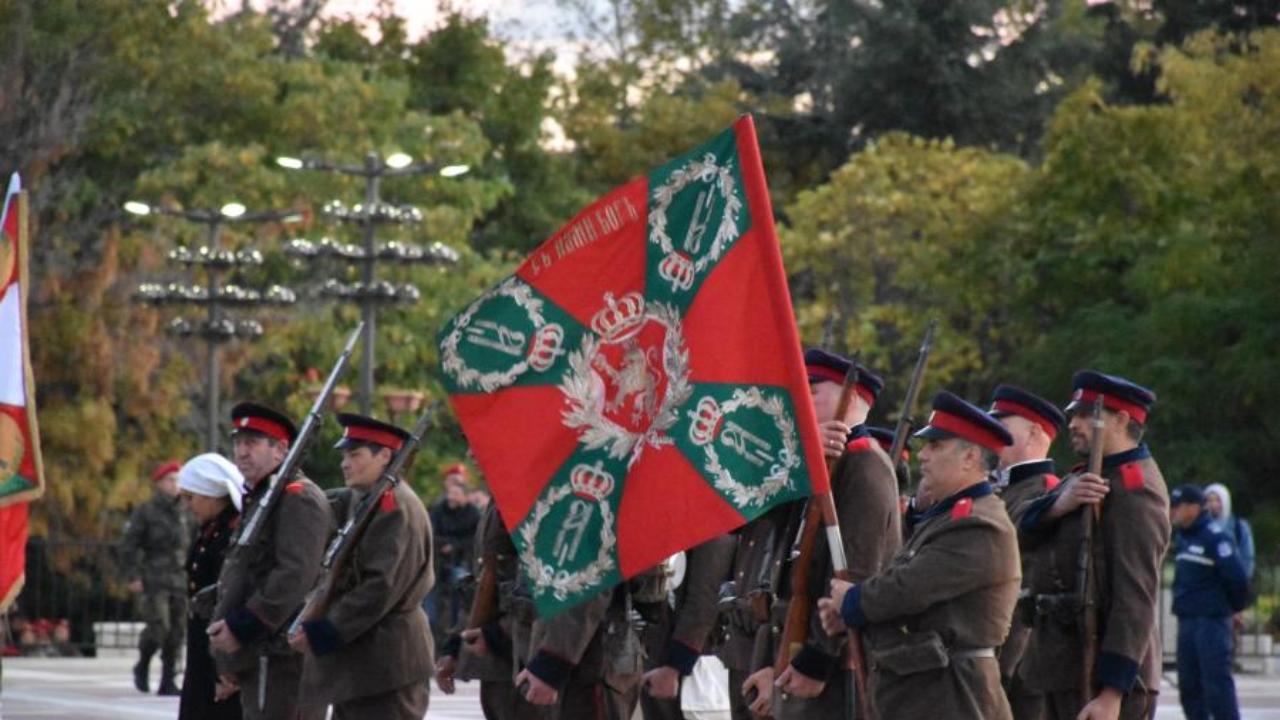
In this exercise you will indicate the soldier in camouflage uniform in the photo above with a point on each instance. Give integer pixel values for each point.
(154, 554)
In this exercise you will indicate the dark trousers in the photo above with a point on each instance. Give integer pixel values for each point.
(1205, 685)
(280, 693)
(404, 703)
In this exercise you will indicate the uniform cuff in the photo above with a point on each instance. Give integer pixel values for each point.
(1031, 519)
(851, 608)
(551, 669)
(323, 637)
(497, 640)
(680, 656)
(452, 647)
(814, 663)
(1117, 671)
(245, 626)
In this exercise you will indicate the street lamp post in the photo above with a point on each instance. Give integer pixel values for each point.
(215, 296)
(369, 292)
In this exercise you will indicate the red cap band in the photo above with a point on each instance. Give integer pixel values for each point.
(262, 425)
(1085, 396)
(822, 372)
(958, 426)
(1023, 411)
(368, 434)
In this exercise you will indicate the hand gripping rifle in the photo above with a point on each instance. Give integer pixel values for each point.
(1087, 581)
(344, 544)
(903, 429)
(821, 511)
(293, 461)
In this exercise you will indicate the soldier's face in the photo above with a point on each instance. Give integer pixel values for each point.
(361, 467)
(1022, 448)
(945, 468)
(826, 398)
(168, 485)
(257, 455)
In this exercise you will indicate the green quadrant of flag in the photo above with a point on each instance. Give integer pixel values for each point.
(637, 387)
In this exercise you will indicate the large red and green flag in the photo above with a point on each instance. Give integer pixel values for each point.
(637, 386)
(21, 471)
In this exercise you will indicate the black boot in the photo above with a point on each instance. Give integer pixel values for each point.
(142, 669)
(168, 669)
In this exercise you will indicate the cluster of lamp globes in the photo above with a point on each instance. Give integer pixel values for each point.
(221, 329)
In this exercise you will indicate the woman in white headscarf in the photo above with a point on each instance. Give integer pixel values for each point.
(212, 487)
(1218, 501)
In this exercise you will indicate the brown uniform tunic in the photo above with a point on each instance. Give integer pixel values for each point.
(678, 631)
(1026, 482)
(934, 616)
(372, 651)
(495, 669)
(260, 588)
(1129, 547)
(864, 489)
(762, 548)
(591, 654)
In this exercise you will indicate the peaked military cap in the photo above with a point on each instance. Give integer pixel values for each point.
(358, 429)
(1186, 494)
(1008, 400)
(252, 417)
(953, 417)
(1117, 393)
(824, 366)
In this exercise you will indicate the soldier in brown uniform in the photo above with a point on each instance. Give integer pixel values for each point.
(370, 654)
(679, 625)
(1025, 473)
(582, 664)
(933, 618)
(865, 492)
(1129, 547)
(746, 599)
(276, 570)
(485, 653)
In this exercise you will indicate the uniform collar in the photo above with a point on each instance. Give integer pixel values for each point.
(857, 432)
(1015, 474)
(973, 492)
(1112, 462)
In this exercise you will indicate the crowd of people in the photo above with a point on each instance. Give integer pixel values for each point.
(967, 598)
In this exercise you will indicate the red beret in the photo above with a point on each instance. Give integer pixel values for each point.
(163, 469)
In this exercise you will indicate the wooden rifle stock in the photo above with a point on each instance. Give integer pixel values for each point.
(1087, 581)
(485, 606)
(344, 544)
(821, 512)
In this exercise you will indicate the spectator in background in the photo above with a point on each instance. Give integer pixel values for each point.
(453, 520)
(211, 486)
(481, 499)
(1218, 502)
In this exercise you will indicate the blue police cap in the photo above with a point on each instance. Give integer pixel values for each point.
(1186, 494)
(1117, 392)
(1009, 400)
(953, 417)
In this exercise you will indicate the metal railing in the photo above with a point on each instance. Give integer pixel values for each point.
(74, 600)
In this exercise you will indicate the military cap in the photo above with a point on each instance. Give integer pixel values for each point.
(824, 366)
(1118, 394)
(1008, 400)
(953, 417)
(164, 469)
(1186, 494)
(255, 418)
(358, 429)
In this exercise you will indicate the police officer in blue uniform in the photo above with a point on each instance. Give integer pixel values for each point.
(1209, 586)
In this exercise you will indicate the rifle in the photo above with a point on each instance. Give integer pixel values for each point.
(348, 538)
(903, 429)
(821, 510)
(1087, 569)
(293, 461)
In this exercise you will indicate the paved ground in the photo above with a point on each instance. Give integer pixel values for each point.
(101, 689)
